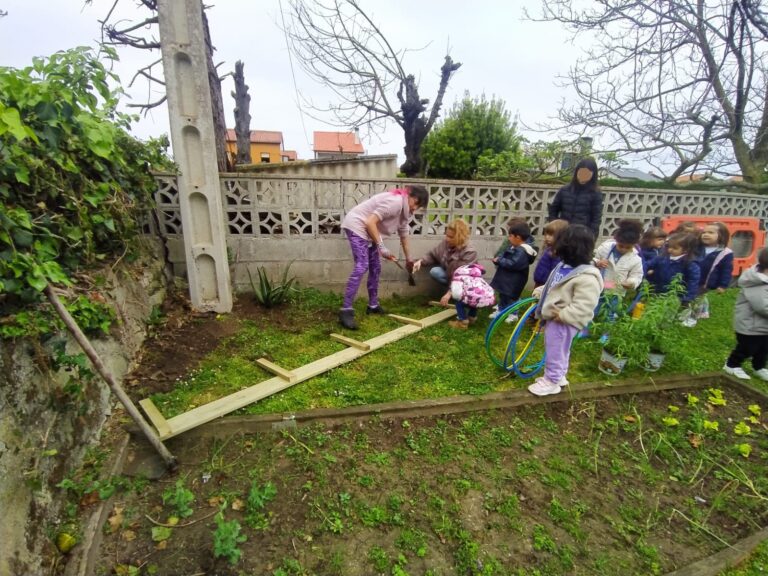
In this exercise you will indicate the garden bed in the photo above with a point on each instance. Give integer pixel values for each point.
(642, 483)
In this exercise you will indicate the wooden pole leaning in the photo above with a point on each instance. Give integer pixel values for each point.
(285, 378)
(117, 390)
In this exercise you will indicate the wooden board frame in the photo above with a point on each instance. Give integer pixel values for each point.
(168, 428)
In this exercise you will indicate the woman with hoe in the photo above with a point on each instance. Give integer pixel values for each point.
(366, 225)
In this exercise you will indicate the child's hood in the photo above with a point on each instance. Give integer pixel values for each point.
(751, 278)
(588, 270)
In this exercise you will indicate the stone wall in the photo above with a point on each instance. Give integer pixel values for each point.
(43, 437)
(273, 221)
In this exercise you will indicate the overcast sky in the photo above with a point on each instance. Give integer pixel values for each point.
(502, 55)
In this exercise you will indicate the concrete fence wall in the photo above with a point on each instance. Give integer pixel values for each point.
(274, 220)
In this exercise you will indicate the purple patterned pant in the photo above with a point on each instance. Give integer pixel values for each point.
(366, 257)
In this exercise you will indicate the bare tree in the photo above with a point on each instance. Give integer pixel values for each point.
(242, 116)
(339, 45)
(682, 82)
(142, 33)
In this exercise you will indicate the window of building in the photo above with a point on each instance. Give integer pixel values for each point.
(265, 157)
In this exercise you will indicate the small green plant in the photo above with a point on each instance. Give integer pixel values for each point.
(258, 497)
(271, 293)
(227, 539)
(179, 498)
(633, 338)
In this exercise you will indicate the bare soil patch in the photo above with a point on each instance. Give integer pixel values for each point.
(624, 485)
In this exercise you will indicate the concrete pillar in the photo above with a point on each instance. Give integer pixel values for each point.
(192, 134)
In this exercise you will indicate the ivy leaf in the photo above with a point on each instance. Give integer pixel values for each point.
(22, 174)
(22, 238)
(13, 124)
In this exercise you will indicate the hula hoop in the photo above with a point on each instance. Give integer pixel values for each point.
(518, 364)
(499, 321)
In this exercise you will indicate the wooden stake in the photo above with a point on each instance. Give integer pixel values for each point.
(117, 390)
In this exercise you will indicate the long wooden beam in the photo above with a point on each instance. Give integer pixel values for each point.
(222, 406)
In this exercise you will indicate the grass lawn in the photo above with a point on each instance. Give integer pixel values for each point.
(642, 484)
(439, 361)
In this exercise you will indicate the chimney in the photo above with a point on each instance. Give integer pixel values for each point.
(357, 135)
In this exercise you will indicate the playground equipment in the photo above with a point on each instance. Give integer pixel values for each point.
(747, 235)
(524, 351)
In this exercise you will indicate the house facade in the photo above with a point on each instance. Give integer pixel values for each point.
(329, 145)
(266, 147)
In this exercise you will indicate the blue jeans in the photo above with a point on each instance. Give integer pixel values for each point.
(439, 274)
(463, 311)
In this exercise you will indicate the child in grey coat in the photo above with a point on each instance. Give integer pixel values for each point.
(750, 321)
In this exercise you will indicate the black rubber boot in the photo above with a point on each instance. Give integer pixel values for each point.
(347, 319)
(375, 310)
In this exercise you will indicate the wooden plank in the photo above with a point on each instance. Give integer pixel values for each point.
(237, 400)
(154, 416)
(351, 342)
(406, 320)
(726, 558)
(275, 369)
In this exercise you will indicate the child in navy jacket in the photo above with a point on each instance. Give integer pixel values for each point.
(717, 260)
(678, 259)
(513, 265)
(652, 245)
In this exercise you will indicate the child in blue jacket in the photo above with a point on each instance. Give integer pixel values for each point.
(512, 267)
(652, 244)
(678, 259)
(717, 259)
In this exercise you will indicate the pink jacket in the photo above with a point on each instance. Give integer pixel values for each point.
(392, 209)
(469, 287)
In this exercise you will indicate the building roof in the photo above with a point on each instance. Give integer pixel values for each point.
(259, 136)
(337, 142)
(631, 174)
(290, 154)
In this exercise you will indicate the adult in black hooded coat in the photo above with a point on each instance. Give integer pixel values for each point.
(580, 201)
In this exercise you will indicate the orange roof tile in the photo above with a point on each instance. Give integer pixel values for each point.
(259, 136)
(340, 142)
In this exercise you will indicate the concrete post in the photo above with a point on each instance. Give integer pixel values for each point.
(192, 134)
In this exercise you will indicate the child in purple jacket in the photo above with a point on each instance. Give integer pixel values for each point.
(548, 260)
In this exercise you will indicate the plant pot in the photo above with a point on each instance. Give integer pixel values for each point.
(610, 364)
(654, 361)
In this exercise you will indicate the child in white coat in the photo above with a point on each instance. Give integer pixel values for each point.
(619, 259)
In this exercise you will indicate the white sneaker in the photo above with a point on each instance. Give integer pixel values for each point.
(543, 387)
(512, 318)
(738, 372)
(563, 382)
(762, 374)
(493, 314)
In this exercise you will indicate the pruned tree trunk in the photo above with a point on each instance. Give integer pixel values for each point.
(415, 125)
(217, 103)
(242, 116)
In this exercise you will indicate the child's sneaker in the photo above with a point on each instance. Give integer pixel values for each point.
(563, 382)
(738, 372)
(762, 374)
(460, 324)
(495, 313)
(511, 319)
(543, 387)
(472, 319)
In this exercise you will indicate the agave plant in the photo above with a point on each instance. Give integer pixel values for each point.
(271, 293)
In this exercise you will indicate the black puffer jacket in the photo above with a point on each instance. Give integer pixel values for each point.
(578, 205)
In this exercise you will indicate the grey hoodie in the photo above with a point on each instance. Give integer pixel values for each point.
(750, 315)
